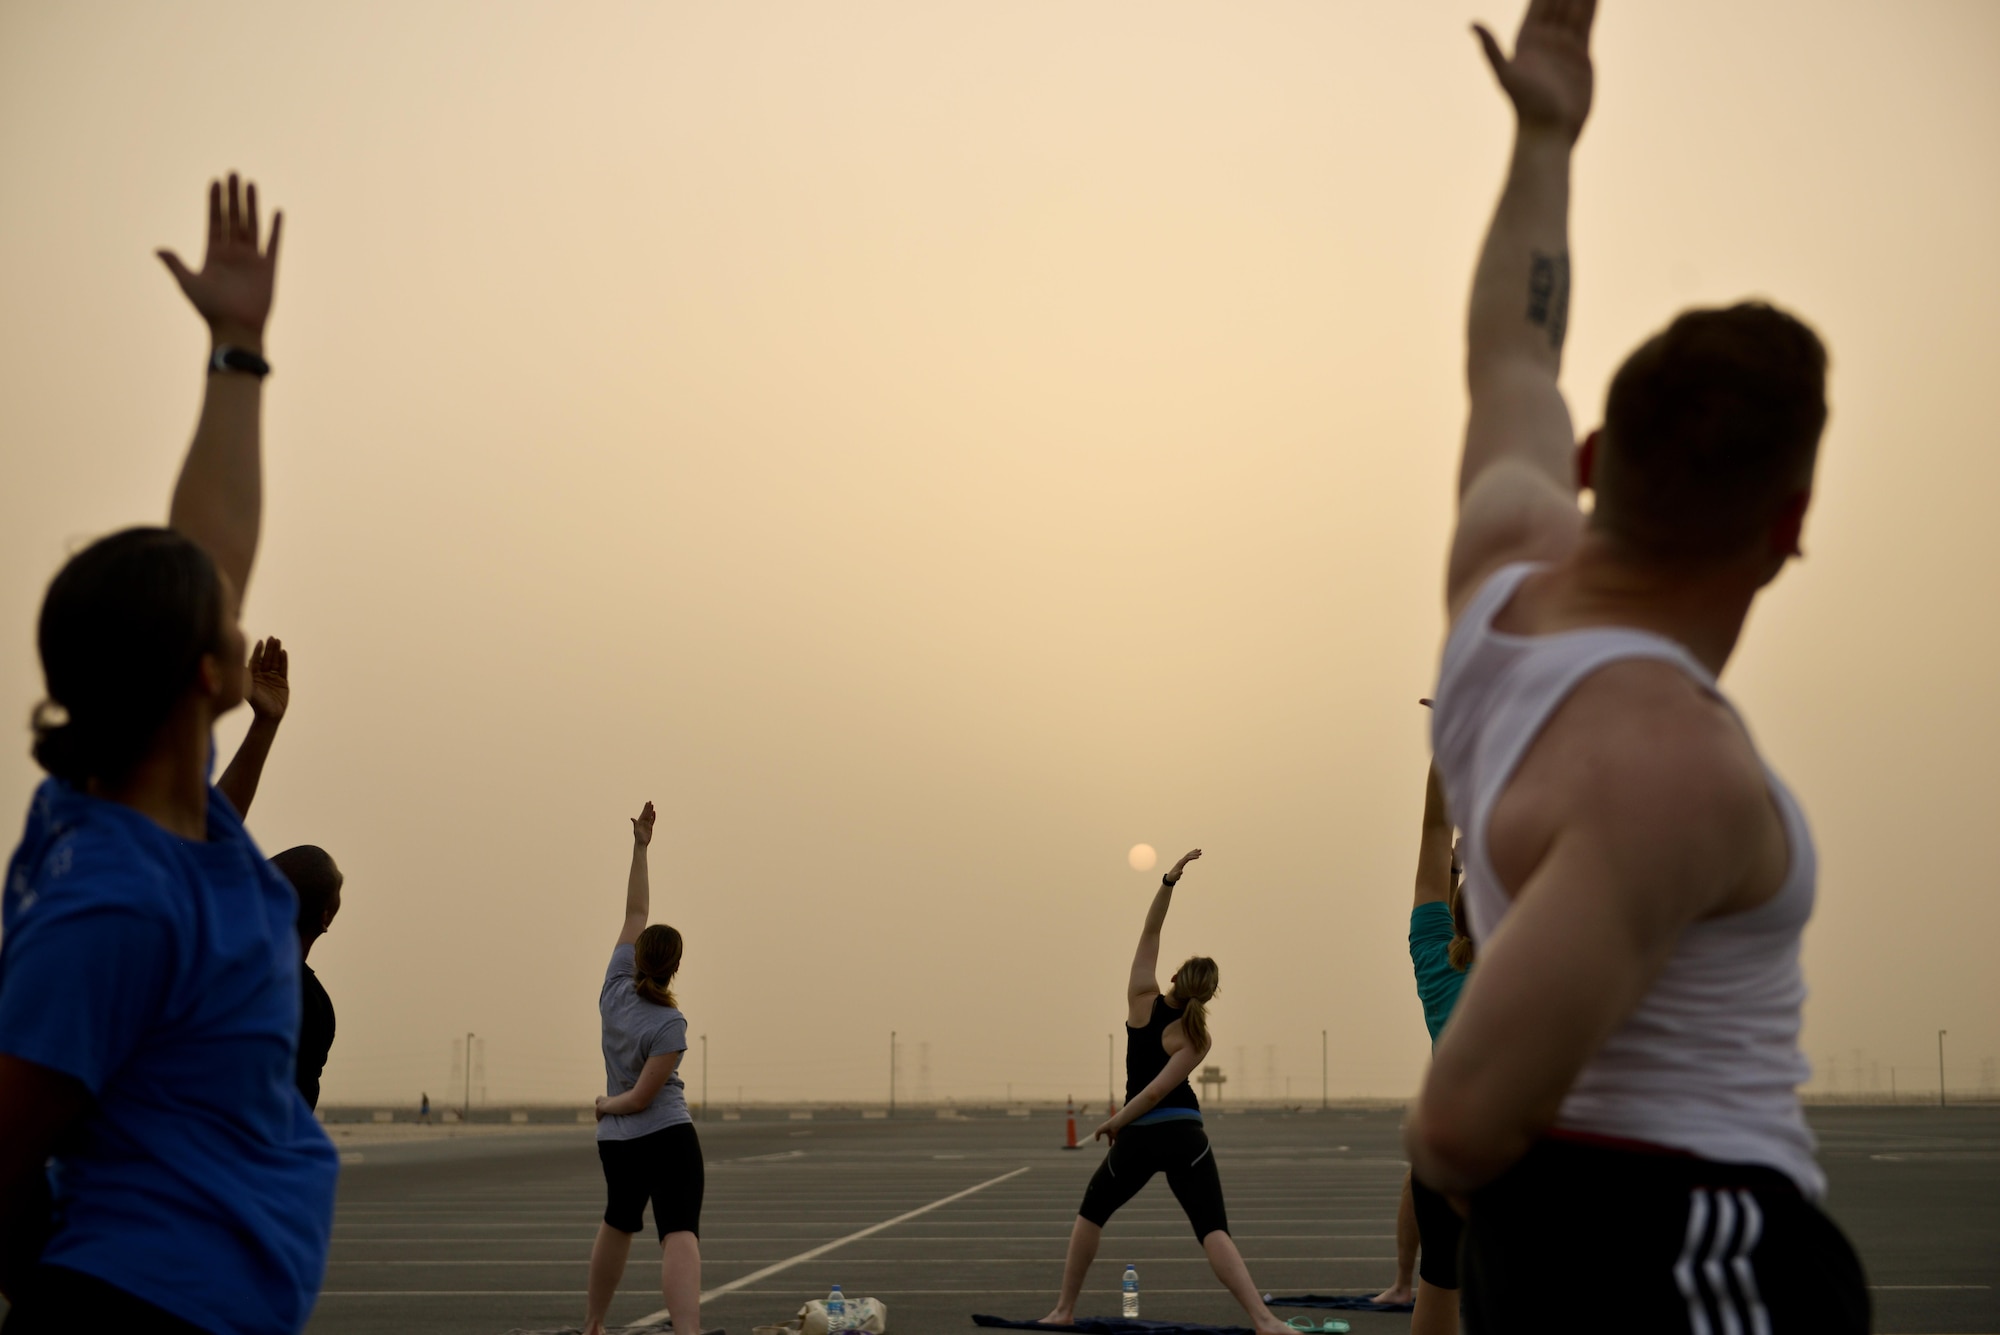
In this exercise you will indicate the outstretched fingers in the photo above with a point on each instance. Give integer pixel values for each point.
(218, 227)
(1491, 46)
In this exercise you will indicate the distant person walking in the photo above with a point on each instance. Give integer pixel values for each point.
(312, 873)
(424, 1111)
(149, 973)
(645, 1136)
(1159, 1128)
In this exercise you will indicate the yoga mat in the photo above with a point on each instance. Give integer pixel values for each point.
(1337, 1303)
(1108, 1325)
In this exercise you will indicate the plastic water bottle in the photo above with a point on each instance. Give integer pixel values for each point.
(836, 1311)
(1131, 1287)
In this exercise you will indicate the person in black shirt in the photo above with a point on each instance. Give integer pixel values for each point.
(312, 872)
(1159, 1129)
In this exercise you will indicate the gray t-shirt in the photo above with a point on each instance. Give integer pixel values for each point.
(634, 1030)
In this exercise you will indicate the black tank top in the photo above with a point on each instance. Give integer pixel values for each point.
(1146, 1057)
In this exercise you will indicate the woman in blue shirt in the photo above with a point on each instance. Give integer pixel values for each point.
(159, 1169)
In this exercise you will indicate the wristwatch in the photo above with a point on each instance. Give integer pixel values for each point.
(226, 359)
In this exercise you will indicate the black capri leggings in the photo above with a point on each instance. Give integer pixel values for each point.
(664, 1166)
(1180, 1149)
(1441, 1232)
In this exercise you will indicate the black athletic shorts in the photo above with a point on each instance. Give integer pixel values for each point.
(1439, 1230)
(60, 1301)
(1649, 1240)
(663, 1166)
(1179, 1149)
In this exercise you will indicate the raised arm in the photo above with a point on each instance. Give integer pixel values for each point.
(1145, 980)
(638, 890)
(1517, 480)
(219, 499)
(1434, 845)
(270, 693)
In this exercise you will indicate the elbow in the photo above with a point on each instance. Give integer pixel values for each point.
(1452, 1148)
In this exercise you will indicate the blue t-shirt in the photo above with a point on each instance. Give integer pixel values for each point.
(163, 974)
(1430, 952)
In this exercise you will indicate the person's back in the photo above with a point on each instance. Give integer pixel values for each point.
(1708, 1060)
(198, 1158)
(1653, 875)
(636, 1030)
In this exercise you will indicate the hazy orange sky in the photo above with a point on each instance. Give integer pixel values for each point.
(931, 448)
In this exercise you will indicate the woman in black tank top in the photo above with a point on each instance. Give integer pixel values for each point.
(1159, 1130)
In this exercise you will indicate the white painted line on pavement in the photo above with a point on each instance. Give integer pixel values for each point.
(824, 1248)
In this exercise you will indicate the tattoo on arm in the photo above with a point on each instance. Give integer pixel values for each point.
(1548, 295)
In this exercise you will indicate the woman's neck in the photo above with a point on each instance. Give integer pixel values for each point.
(169, 785)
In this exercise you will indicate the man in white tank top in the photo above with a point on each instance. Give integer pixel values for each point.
(1615, 1094)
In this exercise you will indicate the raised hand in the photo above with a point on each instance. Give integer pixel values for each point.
(1175, 875)
(642, 826)
(233, 289)
(1549, 77)
(270, 692)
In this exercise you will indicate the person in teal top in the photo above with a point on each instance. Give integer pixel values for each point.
(1440, 953)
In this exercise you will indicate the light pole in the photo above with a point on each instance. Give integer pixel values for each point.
(465, 1113)
(1322, 1070)
(1110, 1104)
(704, 1077)
(1941, 1068)
(892, 1073)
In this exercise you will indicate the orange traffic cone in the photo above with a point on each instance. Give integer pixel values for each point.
(1069, 1128)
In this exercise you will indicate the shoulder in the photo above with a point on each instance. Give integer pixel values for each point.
(84, 855)
(1645, 770)
(1511, 512)
(1644, 733)
(1430, 921)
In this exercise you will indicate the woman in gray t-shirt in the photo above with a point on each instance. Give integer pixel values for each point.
(645, 1137)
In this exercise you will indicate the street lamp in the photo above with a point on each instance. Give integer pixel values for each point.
(465, 1113)
(1941, 1034)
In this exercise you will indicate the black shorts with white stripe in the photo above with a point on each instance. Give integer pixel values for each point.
(1585, 1235)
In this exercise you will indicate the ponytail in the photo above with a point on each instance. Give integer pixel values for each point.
(656, 958)
(1195, 984)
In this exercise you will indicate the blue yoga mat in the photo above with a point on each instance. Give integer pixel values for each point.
(1337, 1303)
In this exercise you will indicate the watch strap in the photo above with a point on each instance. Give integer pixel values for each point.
(240, 360)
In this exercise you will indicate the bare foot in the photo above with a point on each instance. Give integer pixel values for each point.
(1268, 1324)
(1058, 1318)
(1395, 1294)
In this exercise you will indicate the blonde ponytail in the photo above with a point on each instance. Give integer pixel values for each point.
(1195, 984)
(656, 958)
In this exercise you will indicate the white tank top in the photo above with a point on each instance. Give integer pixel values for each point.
(1709, 1062)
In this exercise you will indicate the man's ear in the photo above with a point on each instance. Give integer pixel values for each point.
(1586, 461)
(1788, 527)
(208, 677)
